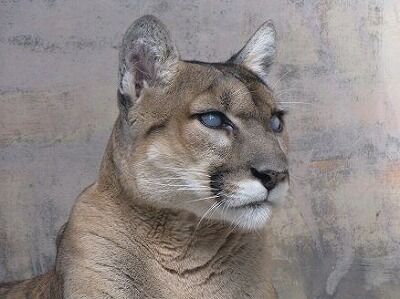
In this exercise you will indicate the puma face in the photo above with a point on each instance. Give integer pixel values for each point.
(207, 138)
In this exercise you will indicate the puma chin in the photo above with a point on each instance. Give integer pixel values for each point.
(211, 138)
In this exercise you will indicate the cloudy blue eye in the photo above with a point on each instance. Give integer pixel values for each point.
(214, 120)
(276, 124)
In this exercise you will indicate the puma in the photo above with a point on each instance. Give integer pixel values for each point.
(192, 171)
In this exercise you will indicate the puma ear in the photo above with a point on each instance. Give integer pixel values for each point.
(259, 52)
(147, 58)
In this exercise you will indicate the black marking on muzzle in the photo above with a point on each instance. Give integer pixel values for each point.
(124, 103)
(216, 182)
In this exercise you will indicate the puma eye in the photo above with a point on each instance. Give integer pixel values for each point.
(213, 120)
(276, 124)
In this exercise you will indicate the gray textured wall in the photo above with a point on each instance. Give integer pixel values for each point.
(337, 236)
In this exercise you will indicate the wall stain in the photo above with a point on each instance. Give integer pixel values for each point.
(344, 140)
(35, 43)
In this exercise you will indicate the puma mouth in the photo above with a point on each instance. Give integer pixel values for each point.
(253, 205)
(249, 216)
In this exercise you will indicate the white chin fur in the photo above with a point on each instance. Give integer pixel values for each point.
(247, 218)
(251, 217)
(248, 191)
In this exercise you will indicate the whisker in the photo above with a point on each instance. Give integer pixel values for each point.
(179, 185)
(192, 189)
(237, 220)
(187, 171)
(286, 90)
(182, 178)
(295, 176)
(280, 144)
(246, 92)
(280, 79)
(214, 206)
(304, 103)
(204, 198)
(236, 91)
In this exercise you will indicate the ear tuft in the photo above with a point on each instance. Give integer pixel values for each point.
(259, 52)
(147, 57)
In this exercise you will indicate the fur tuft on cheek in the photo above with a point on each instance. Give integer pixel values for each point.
(167, 179)
(247, 191)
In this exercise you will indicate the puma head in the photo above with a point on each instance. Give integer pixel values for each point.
(207, 138)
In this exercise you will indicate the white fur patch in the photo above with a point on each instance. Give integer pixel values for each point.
(173, 183)
(154, 152)
(259, 52)
(279, 193)
(238, 211)
(127, 87)
(262, 49)
(249, 191)
(249, 218)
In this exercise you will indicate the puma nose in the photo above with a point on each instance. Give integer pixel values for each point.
(269, 178)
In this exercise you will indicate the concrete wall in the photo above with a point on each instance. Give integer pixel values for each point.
(337, 236)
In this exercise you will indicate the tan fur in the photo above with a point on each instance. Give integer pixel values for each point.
(149, 227)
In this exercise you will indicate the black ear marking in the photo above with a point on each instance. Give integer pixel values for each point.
(124, 102)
